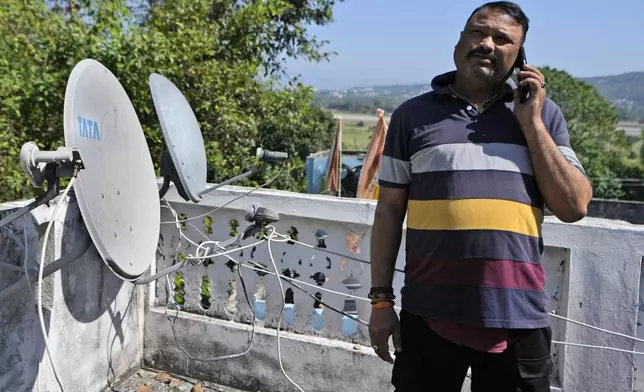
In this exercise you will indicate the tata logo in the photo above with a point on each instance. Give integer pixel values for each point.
(88, 128)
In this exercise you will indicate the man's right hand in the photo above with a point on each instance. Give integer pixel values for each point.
(383, 324)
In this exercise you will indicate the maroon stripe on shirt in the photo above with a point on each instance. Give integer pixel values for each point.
(489, 340)
(505, 274)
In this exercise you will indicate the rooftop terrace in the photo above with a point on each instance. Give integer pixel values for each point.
(103, 330)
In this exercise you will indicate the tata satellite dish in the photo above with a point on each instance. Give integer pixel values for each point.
(115, 187)
(184, 160)
(117, 191)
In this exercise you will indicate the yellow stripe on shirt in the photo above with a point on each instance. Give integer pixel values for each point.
(474, 214)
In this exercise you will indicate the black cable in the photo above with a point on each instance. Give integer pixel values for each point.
(321, 302)
(241, 280)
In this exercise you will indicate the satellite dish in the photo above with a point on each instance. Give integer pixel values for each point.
(117, 191)
(184, 159)
(115, 185)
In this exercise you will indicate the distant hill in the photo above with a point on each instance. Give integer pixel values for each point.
(368, 99)
(626, 91)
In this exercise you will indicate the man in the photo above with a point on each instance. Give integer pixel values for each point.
(472, 166)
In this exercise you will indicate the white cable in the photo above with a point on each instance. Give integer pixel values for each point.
(327, 251)
(279, 321)
(252, 331)
(169, 286)
(596, 328)
(222, 357)
(284, 238)
(175, 266)
(259, 268)
(40, 279)
(176, 219)
(213, 210)
(244, 264)
(252, 328)
(208, 256)
(199, 231)
(598, 347)
(216, 243)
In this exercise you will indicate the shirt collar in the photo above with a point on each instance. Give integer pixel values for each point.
(440, 84)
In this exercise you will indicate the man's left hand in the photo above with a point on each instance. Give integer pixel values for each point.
(529, 112)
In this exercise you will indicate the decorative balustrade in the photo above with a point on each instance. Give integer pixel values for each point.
(216, 286)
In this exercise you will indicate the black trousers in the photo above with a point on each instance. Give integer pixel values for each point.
(430, 363)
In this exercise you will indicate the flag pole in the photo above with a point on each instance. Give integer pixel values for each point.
(340, 157)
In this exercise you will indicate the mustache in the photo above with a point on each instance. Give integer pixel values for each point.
(482, 51)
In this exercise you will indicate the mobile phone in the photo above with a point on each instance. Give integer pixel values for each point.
(524, 91)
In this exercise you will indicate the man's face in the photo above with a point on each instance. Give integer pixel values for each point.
(488, 46)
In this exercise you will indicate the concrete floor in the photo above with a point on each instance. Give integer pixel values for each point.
(147, 380)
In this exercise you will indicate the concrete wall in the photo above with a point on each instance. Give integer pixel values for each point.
(593, 270)
(94, 320)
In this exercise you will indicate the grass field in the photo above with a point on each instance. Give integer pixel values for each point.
(354, 137)
(356, 129)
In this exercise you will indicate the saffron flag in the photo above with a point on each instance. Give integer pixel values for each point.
(332, 173)
(368, 183)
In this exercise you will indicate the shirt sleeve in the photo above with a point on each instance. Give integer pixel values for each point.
(395, 166)
(559, 133)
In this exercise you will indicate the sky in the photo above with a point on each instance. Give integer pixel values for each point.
(380, 42)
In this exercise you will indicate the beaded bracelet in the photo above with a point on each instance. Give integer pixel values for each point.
(381, 297)
(382, 305)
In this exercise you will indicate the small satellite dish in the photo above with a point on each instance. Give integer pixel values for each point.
(184, 158)
(117, 192)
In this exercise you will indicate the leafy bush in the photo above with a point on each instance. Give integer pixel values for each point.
(224, 55)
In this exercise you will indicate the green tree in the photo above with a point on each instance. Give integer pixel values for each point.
(592, 122)
(224, 55)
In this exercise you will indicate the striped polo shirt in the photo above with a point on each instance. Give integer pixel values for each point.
(474, 215)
